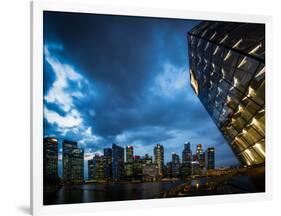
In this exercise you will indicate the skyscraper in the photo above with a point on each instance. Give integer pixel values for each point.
(77, 166)
(67, 148)
(175, 165)
(117, 162)
(107, 152)
(129, 153)
(211, 158)
(98, 167)
(91, 169)
(159, 158)
(186, 160)
(50, 160)
(227, 72)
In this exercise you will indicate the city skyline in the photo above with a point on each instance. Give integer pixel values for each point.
(155, 104)
(65, 172)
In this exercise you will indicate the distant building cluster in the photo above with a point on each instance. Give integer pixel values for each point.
(121, 164)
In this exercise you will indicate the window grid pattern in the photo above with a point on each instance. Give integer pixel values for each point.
(227, 61)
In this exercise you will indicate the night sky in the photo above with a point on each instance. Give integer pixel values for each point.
(125, 80)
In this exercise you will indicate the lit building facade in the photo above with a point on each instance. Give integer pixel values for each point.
(50, 160)
(77, 166)
(98, 167)
(117, 162)
(159, 158)
(129, 153)
(227, 72)
(67, 148)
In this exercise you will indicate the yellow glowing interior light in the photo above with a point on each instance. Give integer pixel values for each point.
(260, 148)
(240, 108)
(255, 49)
(244, 131)
(260, 73)
(216, 50)
(261, 111)
(228, 98)
(249, 153)
(242, 62)
(224, 38)
(235, 82)
(194, 82)
(237, 43)
(254, 121)
(227, 55)
(251, 91)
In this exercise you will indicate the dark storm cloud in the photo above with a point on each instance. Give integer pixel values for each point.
(128, 83)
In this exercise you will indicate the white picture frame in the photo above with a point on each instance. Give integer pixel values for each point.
(37, 8)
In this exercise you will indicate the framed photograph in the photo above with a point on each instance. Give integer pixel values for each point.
(142, 107)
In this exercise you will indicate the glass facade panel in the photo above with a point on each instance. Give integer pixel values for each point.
(228, 63)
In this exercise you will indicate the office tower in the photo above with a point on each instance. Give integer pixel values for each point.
(195, 168)
(67, 148)
(227, 73)
(137, 167)
(128, 169)
(50, 160)
(175, 165)
(117, 162)
(186, 160)
(107, 152)
(99, 167)
(90, 169)
(211, 158)
(159, 158)
(129, 153)
(199, 149)
(77, 166)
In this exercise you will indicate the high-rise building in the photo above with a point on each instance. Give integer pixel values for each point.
(107, 153)
(50, 160)
(199, 149)
(227, 73)
(129, 153)
(67, 148)
(98, 167)
(117, 162)
(159, 158)
(90, 169)
(128, 169)
(195, 168)
(211, 158)
(77, 166)
(137, 167)
(186, 160)
(175, 165)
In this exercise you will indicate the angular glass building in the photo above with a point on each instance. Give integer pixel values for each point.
(227, 72)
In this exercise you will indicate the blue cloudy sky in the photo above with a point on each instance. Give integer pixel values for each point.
(124, 80)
